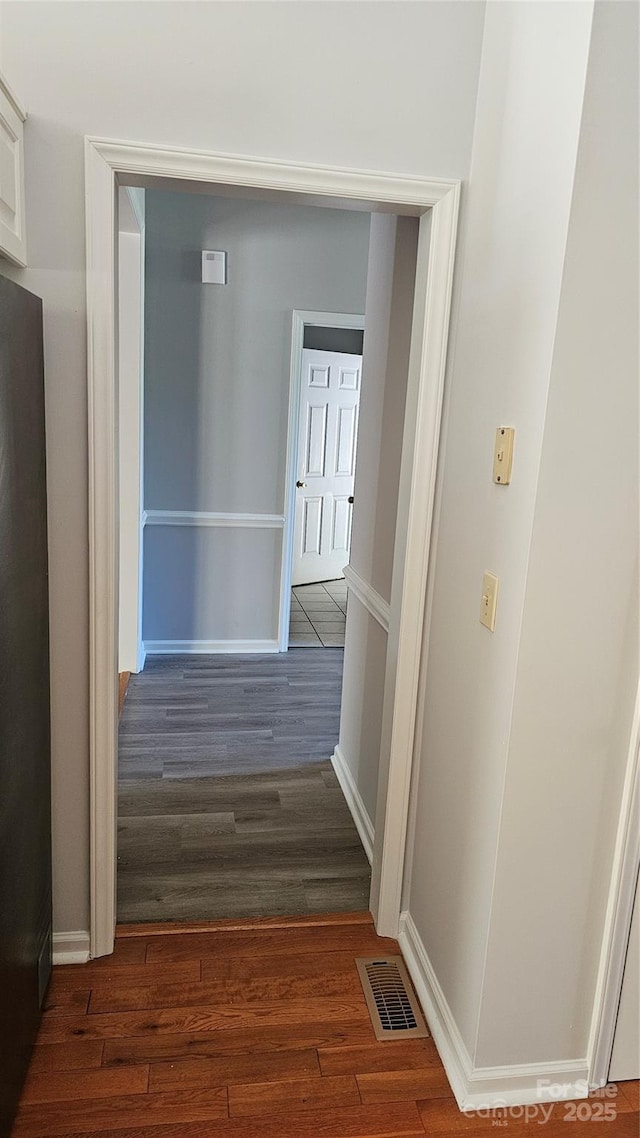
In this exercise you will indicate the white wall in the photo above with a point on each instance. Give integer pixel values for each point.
(575, 677)
(525, 731)
(143, 71)
(217, 378)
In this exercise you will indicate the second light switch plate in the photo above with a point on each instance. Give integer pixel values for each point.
(489, 601)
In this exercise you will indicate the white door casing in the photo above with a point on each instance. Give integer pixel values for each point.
(327, 437)
(131, 257)
(435, 202)
(625, 1057)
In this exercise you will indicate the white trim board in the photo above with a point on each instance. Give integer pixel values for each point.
(5, 89)
(624, 877)
(359, 812)
(478, 1088)
(201, 518)
(131, 289)
(181, 647)
(70, 948)
(375, 605)
(435, 201)
(301, 319)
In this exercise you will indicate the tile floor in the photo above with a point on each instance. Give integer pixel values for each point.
(318, 614)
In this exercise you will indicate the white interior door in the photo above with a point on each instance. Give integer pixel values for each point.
(327, 437)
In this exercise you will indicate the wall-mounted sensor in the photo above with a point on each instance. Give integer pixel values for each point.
(214, 266)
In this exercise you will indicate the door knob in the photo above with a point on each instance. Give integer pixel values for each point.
(300, 485)
(350, 499)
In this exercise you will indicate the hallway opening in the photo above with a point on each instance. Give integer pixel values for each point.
(412, 216)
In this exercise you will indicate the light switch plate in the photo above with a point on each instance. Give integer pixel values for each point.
(503, 455)
(489, 601)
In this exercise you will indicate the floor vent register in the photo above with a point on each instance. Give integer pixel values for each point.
(393, 1007)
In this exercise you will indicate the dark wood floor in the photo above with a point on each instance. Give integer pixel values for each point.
(247, 1032)
(228, 804)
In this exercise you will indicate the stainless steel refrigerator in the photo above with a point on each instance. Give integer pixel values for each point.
(25, 790)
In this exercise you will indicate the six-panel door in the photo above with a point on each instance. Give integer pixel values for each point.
(327, 438)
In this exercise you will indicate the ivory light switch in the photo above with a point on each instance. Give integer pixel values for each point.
(503, 455)
(489, 601)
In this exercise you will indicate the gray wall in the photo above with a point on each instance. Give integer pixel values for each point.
(217, 371)
(390, 286)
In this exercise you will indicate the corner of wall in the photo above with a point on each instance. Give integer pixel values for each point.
(482, 1088)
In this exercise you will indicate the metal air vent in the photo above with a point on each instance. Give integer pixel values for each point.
(393, 1007)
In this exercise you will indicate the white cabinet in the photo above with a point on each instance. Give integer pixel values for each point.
(12, 234)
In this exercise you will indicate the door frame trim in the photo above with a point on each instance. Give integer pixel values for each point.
(619, 913)
(301, 319)
(134, 661)
(436, 203)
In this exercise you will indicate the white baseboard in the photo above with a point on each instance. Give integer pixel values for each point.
(71, 948)
(142, 655)
(479, 1088)
(180, 647)
(357, 807)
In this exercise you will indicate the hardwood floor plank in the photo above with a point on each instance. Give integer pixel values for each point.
(217, 992)
(153, 891)
(96, 975)
(249, 924)
(61, 1000)
(124, 952)
(630, 1089)
(403, 1086)
(58, 1086)
(346, 891)
(271, 1066)
(150, 1110)
(401, 1120)
(294, 967)
(625, 1126)
(358, 940)
(78, 1056)
(392, 1055)
(325, 852)
(154, 1048)
(616, 1093)
(323, 817)
(199, 1018)
(293, 1094)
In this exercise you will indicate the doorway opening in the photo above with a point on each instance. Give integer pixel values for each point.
(435, 203)
(324, 402)
(228, 804)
